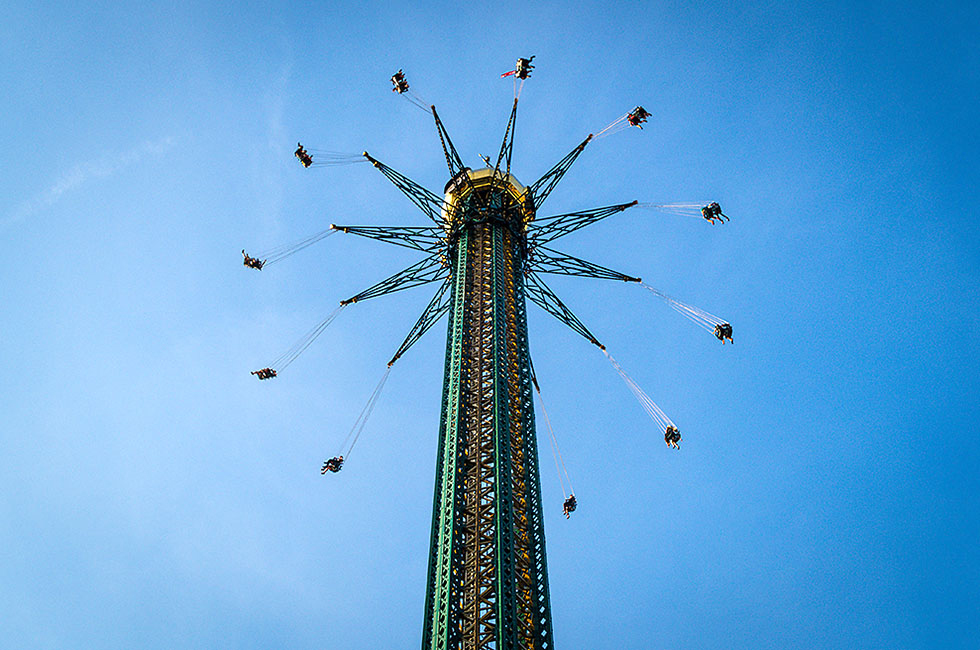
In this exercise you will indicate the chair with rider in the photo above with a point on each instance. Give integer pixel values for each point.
(570, 505)
(712, 211)
(304, 156)
(332, 465)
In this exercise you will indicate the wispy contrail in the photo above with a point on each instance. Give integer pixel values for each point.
(81, 174)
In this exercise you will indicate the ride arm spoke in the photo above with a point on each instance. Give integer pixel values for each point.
(453, 160)
(539, 191)
(425, 200)
(506, 147)
(549, 229)
(428, 270)
(421, 238)
(457, 170)
(547, 260)
(438, 306)
(545, 298)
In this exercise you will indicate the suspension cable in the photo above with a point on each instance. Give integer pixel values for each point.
(326, 158)
(707, 321)
(617, 125)
(555, 451)
(280, 253)
(518, 87)
(283, 361)
(681, 209)
(654, 411)
(416, 100)
(362, 419)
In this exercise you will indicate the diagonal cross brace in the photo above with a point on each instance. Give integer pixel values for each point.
(437, 308)
(546, 299)
(547, 260)
(539, 191)
(428, 270)
(548, 229)
(426, 201)
(426, 239)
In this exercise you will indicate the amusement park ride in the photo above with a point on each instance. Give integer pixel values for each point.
(487, 249)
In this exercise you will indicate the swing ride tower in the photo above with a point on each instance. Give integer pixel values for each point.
(487, 248)
(487, 584)
(487, 581)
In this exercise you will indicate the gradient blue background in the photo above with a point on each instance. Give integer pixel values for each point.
(154, 495)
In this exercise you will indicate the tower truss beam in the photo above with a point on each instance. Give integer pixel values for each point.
(420, 238)
(541, 188)
(453, 160)
(549, 229)
(436, 309)
(546, 299)
(426, 201)
(428, 270)
(457, 170)
(487, 580)
(547, 260)
(507, 146)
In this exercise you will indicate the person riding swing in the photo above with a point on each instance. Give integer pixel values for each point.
(570, 505)
(724, 331)
(522, 70)
(252, 262)
(332, 465)
(637, 117)
(304, 157)
(712, 211)
(399, 82)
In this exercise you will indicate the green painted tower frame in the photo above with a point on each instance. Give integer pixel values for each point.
(487, 247)
(487, 583)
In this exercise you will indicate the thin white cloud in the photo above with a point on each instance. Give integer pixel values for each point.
(82, 173)
(277, 106)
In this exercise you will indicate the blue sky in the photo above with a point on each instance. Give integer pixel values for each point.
(155, 495)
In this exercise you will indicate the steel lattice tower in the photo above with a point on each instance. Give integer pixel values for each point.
(488, 581)
(487, 584)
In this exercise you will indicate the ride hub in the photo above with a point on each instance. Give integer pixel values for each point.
(486, 196)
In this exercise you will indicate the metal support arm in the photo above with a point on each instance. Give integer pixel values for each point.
(547, 260)
(426, 201)
(453, 160)
(457, 170)
(420, 238)
(507, 146)
(428, 270)
(438, 307)
(546, 299)
(548, 229)
(542, 187)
